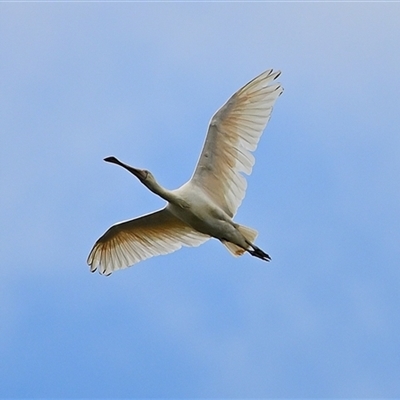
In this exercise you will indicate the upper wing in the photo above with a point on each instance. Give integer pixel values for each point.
(129, 242)
(233, 133)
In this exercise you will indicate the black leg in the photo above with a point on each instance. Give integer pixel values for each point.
(257, 252)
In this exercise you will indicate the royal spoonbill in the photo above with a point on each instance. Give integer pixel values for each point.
(203, 207)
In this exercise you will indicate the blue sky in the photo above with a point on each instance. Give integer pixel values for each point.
(82, 81)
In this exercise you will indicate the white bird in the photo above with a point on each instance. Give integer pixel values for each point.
(203, 207)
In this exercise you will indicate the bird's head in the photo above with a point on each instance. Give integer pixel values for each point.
(146, 177)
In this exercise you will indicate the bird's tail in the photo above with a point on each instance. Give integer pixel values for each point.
(250, 236)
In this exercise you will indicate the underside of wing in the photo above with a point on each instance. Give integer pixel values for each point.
(129, 242)
(233, 133)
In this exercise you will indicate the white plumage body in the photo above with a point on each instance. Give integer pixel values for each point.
(203, 215)
(203, 207)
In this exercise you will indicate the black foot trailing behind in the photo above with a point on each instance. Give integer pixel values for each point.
(257, 252)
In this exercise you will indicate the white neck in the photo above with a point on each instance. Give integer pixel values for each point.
(166, 194)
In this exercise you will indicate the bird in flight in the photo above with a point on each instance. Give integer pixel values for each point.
(204, 206)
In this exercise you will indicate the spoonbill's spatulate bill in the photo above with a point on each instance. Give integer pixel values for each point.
(205, 205)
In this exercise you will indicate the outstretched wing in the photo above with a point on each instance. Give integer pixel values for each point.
(129, 242)
(233, 133)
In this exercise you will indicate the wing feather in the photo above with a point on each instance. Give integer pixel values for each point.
(233, 133)
(129, 242)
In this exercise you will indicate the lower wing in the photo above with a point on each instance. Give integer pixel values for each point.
(129, 242)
